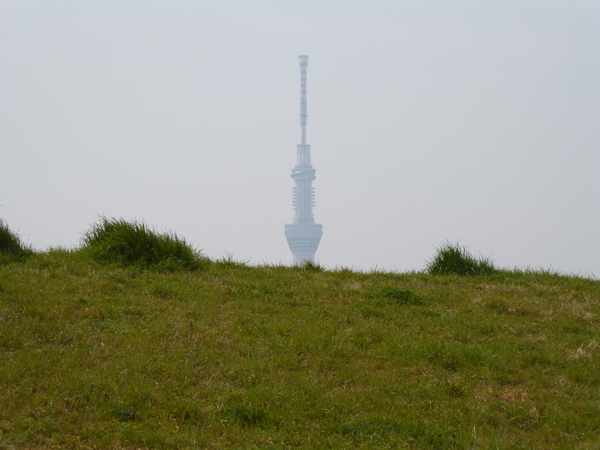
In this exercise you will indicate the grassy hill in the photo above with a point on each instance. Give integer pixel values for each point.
(107, 354)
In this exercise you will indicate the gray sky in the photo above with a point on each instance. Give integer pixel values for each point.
(470, 121)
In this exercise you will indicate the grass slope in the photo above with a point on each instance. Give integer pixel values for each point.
(233, 356)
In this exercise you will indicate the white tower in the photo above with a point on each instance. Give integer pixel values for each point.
(304, 234)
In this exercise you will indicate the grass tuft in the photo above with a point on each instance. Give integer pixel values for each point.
(310, 266)
(244, 415)
(452, 259)
(397, 295)
(134, 244)
(123, 414)
(11, 246)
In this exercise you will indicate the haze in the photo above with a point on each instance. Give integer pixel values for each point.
(462, 121)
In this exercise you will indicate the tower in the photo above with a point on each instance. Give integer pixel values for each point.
(303, 235)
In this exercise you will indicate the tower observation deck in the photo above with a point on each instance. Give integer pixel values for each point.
(303, 235)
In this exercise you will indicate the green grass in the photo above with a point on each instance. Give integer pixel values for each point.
(111, 355)
(11, 246)
(134, 243)
(454, 259)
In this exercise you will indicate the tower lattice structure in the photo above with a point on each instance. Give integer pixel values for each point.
(303, 235)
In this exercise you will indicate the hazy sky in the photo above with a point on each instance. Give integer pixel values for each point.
(465, 121)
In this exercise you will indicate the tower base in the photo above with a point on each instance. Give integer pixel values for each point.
(303, 239)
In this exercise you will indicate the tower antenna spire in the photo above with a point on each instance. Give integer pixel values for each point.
(303, 105)
(303, 235)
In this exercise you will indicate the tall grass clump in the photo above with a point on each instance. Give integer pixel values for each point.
(452, 259)
(134, 244)
(11, 246)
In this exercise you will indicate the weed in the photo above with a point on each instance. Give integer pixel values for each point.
(452, 259)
